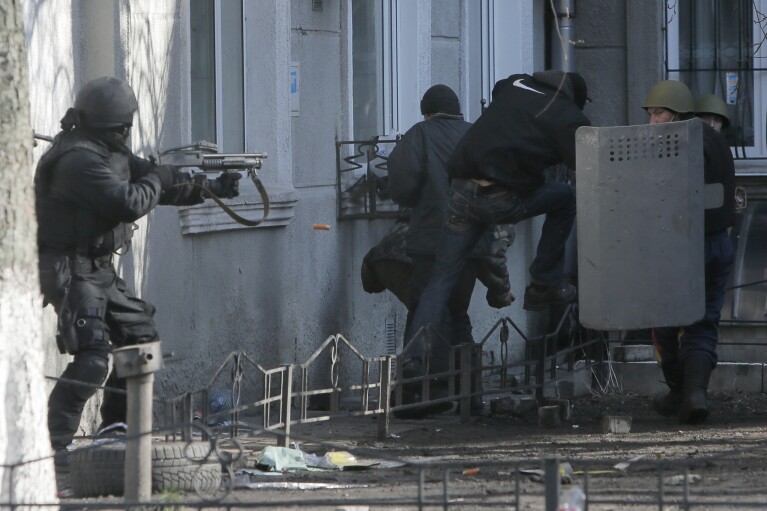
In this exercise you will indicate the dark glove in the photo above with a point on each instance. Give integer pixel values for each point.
(225, 186)
(167, 175)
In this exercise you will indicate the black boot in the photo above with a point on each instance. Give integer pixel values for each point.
(667, 404)
(694, 407)
(413, 393)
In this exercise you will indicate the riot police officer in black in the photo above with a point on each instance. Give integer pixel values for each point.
(89, 190)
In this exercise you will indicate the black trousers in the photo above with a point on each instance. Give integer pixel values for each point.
(96, 312)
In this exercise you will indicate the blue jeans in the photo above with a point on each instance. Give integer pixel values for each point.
(471, 208)
(455, 326)
(676, 344)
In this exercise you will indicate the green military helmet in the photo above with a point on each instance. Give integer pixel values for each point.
(672, 95)
(712, 104)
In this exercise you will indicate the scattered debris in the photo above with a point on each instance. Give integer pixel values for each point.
(516, 406)
(549, 416)
(572, 499)
(678, 480)
(297, 486)
(623, 465)
(280, 459)
(536, 475)
(471, 471)
(283, 459)
(346, 461)
(619, 424)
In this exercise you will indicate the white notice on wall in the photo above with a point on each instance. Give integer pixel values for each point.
(295, 90)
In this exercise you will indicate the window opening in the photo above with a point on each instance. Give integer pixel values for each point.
(710, 46)
(218, 80)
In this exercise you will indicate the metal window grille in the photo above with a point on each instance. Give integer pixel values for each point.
(711, 47)
(362, 176)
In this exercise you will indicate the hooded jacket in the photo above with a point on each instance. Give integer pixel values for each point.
(530, 125)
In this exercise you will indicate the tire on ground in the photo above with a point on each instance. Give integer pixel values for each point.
(176, 466)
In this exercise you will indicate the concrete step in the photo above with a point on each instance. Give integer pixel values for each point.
(645, 378)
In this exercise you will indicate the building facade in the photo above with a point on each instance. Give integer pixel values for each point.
(294, 78)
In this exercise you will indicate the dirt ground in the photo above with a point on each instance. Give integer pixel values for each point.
(475, 465)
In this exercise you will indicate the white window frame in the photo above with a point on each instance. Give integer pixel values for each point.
(759, 86)
(505, 33)
(390, 54)
(399, 69)
(219, 64)
(209, 217)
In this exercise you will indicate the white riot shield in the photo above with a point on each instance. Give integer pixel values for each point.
(640, 198)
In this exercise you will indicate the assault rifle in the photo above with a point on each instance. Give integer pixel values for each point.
(204, 155)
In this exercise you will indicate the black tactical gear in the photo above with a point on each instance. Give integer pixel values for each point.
(225, 186)
(89, 189)
(106, 102)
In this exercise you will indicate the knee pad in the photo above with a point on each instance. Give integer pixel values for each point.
(89, 367)
(83, 327)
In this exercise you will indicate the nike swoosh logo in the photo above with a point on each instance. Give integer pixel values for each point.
(518, 83)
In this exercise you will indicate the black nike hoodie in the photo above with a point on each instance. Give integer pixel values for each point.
(529, 126)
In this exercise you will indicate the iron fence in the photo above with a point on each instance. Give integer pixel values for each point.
(272, 401)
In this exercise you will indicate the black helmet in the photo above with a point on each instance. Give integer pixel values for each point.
(106, 102)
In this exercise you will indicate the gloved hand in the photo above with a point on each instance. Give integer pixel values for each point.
(225, 186)
(167, 175)
(499, 301)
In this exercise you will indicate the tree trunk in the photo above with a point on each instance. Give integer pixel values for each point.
(26, 466)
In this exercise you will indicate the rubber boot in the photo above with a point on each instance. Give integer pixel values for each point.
(667, 404)
(694, 407)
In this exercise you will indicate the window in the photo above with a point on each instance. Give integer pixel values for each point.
(500, 34)
(217, 67)
(373, 60)
(230, 44)
(717, 47)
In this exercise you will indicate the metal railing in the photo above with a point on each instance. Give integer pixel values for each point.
(271, 401)
(361, 178)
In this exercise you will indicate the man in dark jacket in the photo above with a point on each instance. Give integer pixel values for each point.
(687, 354)
(497, 177)
(418, 179)
(89, 189)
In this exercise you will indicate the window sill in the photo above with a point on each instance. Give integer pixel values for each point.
(209, 217)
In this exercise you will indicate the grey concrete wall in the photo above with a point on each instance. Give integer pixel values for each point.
(619, 51)
(276, 292)
(644, 50)
(601, 58)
